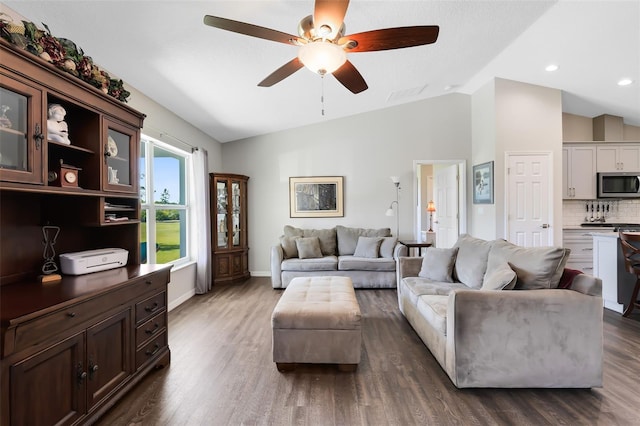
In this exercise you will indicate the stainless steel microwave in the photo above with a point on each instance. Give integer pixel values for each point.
(619, 185)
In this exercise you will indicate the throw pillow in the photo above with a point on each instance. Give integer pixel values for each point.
(348, 237)
(437, 264)
(471, 261)
(500, 278)
(308, 247)
(536, 267)
(327, 237)
(368, 247)
(387, 246)
(289, 246)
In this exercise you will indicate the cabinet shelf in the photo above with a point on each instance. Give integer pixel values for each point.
(13, 131)
(70, 147)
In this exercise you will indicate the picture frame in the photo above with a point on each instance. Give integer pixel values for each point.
(483, 183)
(316, 196)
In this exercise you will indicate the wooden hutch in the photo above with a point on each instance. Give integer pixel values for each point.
(69, 349)
(229, 245)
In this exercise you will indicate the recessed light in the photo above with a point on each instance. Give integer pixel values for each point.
(551, 68)
(450, 87)
(625, 82)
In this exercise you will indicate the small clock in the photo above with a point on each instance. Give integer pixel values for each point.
(66, 176)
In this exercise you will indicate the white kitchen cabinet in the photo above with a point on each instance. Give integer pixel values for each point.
(618, 158)
(579, 172)
(606, 267)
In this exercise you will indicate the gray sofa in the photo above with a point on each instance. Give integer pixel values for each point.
(492, 315)
(367, 256)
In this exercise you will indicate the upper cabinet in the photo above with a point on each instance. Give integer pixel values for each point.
(21, 132)
(618, 158)
(579, 172)
(120, 150)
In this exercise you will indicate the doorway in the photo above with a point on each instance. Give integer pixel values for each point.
(444, 183)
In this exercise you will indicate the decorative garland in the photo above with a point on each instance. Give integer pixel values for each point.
(61, 52)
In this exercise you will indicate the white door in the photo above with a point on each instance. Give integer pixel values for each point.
(529, 200)
(445, 186)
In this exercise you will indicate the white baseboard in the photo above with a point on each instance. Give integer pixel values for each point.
(180, 300)
(260, 273)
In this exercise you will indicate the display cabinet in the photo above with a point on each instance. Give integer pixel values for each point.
(230, 251)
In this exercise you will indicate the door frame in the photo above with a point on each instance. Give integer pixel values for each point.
(550, 189)
(462, 193)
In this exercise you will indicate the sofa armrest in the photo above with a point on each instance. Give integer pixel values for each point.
(408, 266)
(400, 250)
(587, 284)
(277, 256)
(524, 338)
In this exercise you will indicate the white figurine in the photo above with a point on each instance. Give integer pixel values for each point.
(57, 128)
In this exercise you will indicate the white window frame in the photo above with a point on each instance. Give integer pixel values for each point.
(151, 207)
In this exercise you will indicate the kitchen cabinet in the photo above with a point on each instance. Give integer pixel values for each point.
(70, 351)
(229, 227)
(607, 267)
(578, 172)
(618, 158)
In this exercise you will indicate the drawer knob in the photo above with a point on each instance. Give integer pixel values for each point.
(149, 282)
(155, 350)
(71, 314)
(152, 330)
(152, 308)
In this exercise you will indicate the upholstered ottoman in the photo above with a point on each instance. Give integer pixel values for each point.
(317, 320)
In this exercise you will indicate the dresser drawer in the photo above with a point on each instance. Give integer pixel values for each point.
(151, 328)
(150, 306)
(49, 326)
(151, 349)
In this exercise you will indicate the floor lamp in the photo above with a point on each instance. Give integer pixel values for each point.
(431, 208)
(396, 213)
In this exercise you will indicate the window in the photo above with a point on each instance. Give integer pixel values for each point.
(164, 198)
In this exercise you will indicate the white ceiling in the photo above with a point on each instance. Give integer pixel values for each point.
(209, 76)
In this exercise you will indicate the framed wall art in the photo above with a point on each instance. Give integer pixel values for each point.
(317, 196)
(483, 183)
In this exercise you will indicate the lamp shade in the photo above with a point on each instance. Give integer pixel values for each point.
(322, 57)
(390, 212)
(431, 207)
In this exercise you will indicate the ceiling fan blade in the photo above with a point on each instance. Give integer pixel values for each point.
(281, 73)
(250, 29)
(350, 78)
(331, 13)
(392, 38)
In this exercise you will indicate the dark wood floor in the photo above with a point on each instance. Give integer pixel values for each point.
(222, 374)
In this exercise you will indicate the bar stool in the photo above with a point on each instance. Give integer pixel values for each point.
(630, 244)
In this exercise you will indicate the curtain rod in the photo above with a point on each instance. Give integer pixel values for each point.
(163, 133)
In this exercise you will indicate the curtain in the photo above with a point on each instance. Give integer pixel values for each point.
(201, 231)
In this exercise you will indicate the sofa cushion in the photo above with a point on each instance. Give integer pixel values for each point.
(289, 247)
(501, 277)
(536, 267)
(368, 247)
(348, 237)
(326, 263)
(471, 261)
(434, 310)
(387, 246)
(417, 287)
(352, 263)
(437, 264)
(308, 247)
(327, 237)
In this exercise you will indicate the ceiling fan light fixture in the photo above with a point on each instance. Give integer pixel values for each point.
(322, 57)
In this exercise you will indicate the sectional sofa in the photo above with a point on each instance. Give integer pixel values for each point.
(367, 256)
(493, 315)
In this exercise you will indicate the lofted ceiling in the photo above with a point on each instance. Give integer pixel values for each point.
(209, 77)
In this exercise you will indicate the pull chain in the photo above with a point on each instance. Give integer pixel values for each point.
(322, 93)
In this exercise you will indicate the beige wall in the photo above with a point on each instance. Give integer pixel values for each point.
(366, 149)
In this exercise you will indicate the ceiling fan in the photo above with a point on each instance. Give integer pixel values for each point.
(323, 47)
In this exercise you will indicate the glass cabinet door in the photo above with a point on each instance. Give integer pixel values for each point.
(120, 146)
(236, 212)
(20, 132)
(222, 211)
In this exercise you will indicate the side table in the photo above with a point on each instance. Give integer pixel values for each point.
(418, 245)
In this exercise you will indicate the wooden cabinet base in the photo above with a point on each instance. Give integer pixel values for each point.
(69, 353)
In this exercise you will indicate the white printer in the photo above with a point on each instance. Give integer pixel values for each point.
(85, 262)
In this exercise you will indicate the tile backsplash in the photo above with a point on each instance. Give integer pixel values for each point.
(620, 211)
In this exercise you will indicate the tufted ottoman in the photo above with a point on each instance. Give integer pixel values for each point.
(317, 320)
